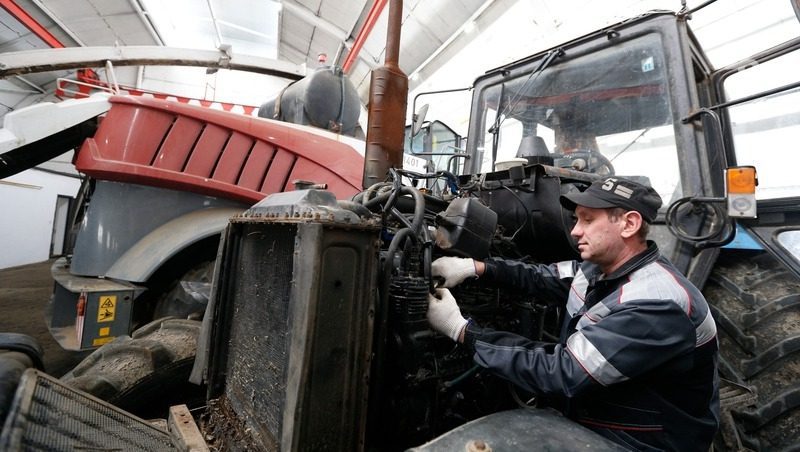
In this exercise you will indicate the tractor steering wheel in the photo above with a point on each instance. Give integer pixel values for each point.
(589, 161)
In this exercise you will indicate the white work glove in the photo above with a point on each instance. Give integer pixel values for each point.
(454, 270)
(444, 315)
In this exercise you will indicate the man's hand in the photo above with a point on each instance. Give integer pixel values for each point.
(444, 315)
(454, 270)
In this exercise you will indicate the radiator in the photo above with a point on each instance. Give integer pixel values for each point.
(294, 300)
(48, 415)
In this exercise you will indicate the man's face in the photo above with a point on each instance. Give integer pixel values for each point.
(598, 238)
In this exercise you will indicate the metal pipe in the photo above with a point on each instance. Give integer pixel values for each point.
(372, 17)
(139, 77)
(392, 58)
(215, 24)
(111, 78)
(741, 100)
(46, 60)
(387, 107)
(696, 8)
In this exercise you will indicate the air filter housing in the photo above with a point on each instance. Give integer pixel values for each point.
(293, 300)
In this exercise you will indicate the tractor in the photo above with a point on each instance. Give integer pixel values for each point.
(315, 333)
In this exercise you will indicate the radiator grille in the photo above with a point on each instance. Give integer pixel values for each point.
(293, 299)
(260, 334)
(47, 415)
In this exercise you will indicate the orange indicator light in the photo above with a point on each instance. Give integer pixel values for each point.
(741, 179)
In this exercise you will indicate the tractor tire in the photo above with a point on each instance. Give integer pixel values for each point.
(187, 296)
(756, 305)
(144, 373)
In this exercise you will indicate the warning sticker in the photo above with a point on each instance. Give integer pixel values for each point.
(106, 308)
(100, 341)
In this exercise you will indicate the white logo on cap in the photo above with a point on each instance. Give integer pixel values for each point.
(625, 192)
(613, 186)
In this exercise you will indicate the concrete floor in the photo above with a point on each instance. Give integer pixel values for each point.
(24, 293)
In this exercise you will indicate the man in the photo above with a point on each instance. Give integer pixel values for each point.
(636, 359)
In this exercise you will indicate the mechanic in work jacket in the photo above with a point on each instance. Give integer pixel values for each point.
(637, 355)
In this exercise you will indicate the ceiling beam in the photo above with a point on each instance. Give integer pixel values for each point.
(46, 60)
(363, 34)
(31, 84)
(312, 19)
(486, 14)
(144, 16)
(456, 35)
(44, 9)
(30, 23)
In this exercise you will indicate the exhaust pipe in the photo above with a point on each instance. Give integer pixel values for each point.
(388, 96)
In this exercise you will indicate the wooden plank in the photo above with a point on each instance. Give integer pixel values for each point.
(183, 430)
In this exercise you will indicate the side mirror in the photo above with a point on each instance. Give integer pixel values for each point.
(418, 120)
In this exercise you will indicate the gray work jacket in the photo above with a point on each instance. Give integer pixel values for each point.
(638, 351)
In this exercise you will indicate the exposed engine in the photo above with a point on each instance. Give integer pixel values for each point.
(320, 308)
(428, 384)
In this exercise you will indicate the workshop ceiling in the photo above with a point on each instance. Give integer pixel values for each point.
(291, 31)
(284, 38)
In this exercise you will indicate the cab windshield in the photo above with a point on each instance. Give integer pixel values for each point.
(606, 112)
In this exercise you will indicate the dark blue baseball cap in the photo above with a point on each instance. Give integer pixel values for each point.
(616, 192)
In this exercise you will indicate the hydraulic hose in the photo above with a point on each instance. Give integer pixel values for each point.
(419, 204)
(702, 241)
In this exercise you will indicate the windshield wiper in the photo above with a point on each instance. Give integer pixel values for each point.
(501, 114)
(628, 146)
(548, 59)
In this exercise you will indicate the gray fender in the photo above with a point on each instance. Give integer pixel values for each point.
(157, 247)
(520, 429)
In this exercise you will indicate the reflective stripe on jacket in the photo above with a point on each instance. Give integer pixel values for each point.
(637, 356)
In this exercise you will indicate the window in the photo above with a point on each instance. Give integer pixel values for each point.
(730, 31)
(606, 112)
(766, 131)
